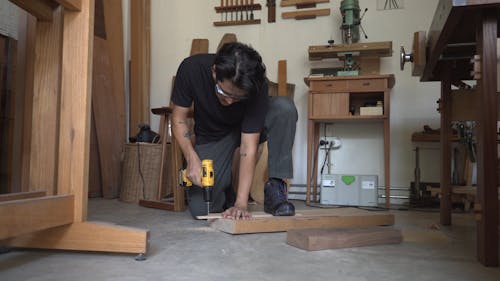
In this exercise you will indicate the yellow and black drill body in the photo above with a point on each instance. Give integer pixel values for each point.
(207, 181)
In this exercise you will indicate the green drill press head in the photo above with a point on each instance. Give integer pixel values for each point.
(350, 11)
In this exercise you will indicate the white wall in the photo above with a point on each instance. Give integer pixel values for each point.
(176, 22)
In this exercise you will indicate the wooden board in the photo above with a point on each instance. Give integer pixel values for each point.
(227, 38)
(86, 236)
(343, 217)
(41, 9)
(29, 215)
(314, 239)
(139, 63)
(286, 3)
(199, 46)
(308, 14)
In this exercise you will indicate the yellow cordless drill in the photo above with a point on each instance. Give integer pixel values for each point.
(207, 181)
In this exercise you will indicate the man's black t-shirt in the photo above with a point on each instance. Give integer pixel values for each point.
(194, 83)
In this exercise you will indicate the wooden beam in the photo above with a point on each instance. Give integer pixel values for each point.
(86, 236)
(139, 63)
(314, 239)
(46, 101)
(368, 49)
(345, 217)
(24, 216)
(41, 9)
(21, 195)
(72, 5)
(74, 137)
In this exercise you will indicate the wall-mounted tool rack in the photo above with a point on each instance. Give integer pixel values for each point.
(238, 12)
(304, 4)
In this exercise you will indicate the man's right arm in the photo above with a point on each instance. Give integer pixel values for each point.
(183, 133)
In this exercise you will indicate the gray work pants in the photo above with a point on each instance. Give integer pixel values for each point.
(279, 131)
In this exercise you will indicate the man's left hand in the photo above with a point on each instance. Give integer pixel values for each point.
(236, 213)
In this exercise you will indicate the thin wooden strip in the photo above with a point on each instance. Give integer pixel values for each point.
(286, 3)
(314, 239)
(28, 215)
(87, 236)
(21, 195)
(306, 14)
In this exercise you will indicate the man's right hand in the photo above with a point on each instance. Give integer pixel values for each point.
(193, 170)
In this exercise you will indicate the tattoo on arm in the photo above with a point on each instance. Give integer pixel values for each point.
(187, 134)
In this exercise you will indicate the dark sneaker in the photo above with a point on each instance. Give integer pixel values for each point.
(275, 201)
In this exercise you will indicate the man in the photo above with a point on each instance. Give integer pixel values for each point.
(232, 109)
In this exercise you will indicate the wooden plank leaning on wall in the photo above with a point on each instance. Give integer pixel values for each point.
(139, 64)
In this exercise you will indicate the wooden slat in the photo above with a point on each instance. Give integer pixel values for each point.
(336, 238)
(72, 5)
(46, 104)
(21, 195)
(41, 9)
(139, 64)
(74, 138)
(24, 216)
(86, 236)
(28, 101)
(345, 217)
(282, 78)
(308, 14)
(108, 89)
(286, 3)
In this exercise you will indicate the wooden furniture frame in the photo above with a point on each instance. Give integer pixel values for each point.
(461, 31)
(329, 101)
(59, 221)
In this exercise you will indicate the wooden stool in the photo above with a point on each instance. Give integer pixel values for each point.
(177, 201)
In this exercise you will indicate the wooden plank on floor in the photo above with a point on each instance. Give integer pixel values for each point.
(28, 215)
(315, 239)
(21, 195)
(86, 236)
(343, 217)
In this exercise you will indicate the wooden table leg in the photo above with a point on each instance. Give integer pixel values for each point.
(487, 192)
(310, 125)
(445, 105)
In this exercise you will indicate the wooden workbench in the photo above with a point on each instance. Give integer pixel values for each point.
(459, 31)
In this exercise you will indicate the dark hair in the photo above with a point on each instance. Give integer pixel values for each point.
(242, 65)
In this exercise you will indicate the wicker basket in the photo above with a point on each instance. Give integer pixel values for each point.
(141, 171)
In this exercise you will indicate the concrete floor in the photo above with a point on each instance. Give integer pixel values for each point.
(186, 249)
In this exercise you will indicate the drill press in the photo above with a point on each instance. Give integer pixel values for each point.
(351, 23)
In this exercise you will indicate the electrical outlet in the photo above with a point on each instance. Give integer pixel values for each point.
(335, 141)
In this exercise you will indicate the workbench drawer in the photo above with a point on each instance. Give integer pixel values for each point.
(366, 85)
(324, 105)
(328, 86)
